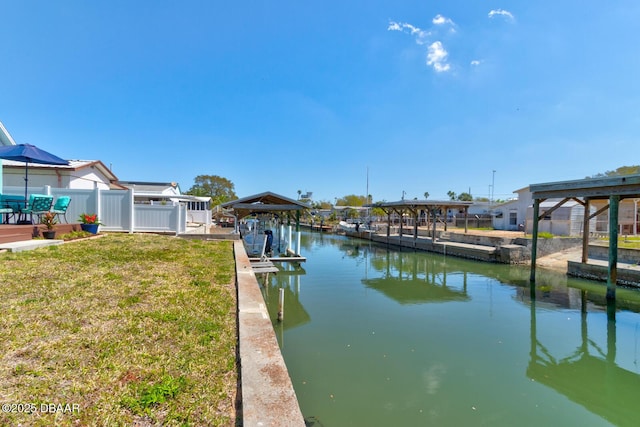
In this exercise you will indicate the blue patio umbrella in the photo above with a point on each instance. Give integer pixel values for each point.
(28, 153)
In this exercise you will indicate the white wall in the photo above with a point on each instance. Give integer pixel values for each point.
(117, 209)
(85, 178)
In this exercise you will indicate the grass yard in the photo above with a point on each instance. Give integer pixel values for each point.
(629, 242)
(121, 330)
(624, 241)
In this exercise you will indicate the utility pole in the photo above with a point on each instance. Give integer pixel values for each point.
(493, 186)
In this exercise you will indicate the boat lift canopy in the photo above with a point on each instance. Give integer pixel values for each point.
(266, 202)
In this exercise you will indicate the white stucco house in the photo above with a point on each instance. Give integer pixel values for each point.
(198, 208)
(82, 177)
(152, 191)
(79, 175)
(517, 215)
(512, 215)
(565, 221)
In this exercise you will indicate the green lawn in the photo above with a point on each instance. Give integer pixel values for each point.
(627, 242)
(120, 330)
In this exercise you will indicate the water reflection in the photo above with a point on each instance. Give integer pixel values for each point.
(421, 281)
(386, 337)
(288, 279)
(605, 388)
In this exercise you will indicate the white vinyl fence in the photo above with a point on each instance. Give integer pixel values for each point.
(118, 211)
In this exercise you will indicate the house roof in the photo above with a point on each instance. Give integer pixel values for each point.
(264, 202)
(151, 187)
(5, 137)
(74, 165)
(549, 203)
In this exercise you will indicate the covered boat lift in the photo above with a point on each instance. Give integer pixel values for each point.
(267, 202)
(431, 207)
(583, 191)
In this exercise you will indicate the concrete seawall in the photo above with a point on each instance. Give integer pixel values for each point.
(504, 250)
(268, 397)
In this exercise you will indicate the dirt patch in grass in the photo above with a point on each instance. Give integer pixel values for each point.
(122, 330)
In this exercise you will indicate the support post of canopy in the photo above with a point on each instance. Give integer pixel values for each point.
(612, 278)
(466, 220)
(388, 225)
(585, 232)
(534, 239)
(434, 217)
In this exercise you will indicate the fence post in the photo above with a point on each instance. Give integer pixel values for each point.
(131, 211)
(98, 201)
(178, 214)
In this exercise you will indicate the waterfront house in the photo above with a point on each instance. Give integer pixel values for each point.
(512, 214)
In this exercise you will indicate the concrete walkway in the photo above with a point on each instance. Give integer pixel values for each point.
(28, 245)
(268, 397)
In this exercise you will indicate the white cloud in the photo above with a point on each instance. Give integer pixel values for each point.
(437, 57)
(441, 20)
(501, 12)
(394, 26)
(404, 27)
(436, 53)
(475, 62)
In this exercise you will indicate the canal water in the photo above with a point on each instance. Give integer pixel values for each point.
(374, 336)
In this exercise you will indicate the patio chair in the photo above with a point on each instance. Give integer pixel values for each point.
(4, 210)
(7, 212)
(60, 207)
(38, 204)
(10, 206)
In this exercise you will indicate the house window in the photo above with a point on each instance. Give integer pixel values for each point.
(513, 218)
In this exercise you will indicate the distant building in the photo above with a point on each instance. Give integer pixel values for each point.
(567, 220)
(151, 191)
(198, 208)
(512, 215)
(628, 217)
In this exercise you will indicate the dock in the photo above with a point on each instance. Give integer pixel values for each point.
(280, 259)
(259, 265)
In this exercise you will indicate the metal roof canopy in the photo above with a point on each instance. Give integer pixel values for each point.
(263, 203)
(421, 204)
(415, 205)
(592, 188)
(582, 191)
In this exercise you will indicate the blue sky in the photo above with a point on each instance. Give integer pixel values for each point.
(428, 96)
